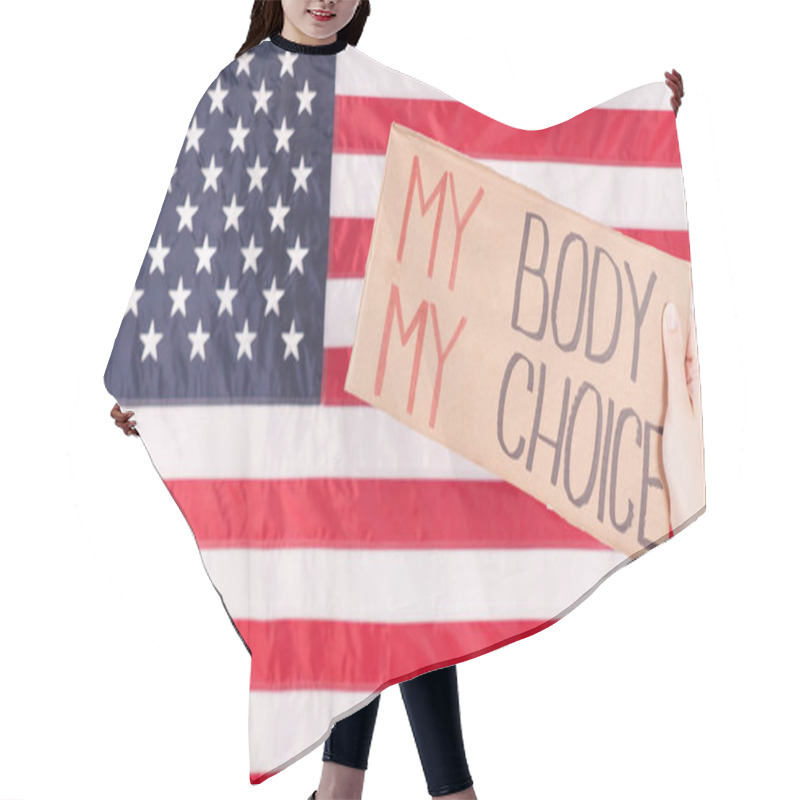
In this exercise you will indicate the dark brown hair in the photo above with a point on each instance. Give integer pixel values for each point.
(266, 18)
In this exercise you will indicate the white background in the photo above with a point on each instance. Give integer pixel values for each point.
(120, 674)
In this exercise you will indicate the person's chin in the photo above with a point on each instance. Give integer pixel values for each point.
(314, 32)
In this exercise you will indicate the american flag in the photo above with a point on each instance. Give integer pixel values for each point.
(350, 552)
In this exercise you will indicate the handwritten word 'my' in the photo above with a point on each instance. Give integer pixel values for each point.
(420, 315)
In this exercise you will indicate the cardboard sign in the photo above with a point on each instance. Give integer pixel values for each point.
(522, 335)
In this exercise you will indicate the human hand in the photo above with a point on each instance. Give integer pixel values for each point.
(675, 82)
(682, 440)
(123, 420)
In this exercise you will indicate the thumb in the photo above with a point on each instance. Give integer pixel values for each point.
(674, 353)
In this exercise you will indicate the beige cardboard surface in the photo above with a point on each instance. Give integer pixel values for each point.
(522, 335)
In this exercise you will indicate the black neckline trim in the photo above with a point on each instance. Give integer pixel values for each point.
(311, 49)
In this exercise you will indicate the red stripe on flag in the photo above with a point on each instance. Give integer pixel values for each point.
(348, 249)
(627, 137)
(335, 363)
(350, 239)
(260, 777)
(674, 243)
(351, 513)
(369, 651)
(356, 656)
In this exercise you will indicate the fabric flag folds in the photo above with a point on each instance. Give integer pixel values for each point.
(350, 552)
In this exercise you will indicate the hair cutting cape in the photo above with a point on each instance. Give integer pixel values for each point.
(350, 552)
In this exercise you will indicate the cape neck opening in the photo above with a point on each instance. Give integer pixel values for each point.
(310, 49)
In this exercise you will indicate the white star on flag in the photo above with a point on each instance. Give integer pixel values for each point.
(198, 340)
(278, 212)
(284, 134)
(292, 339)
(232, 214)
(218, 96)
(133, 303)
(150, 341)
(251, 254)
(287, 63)
(193, 136)
(257, 173)
(226, 296)
(262, 97)
(297, 254)
(186, 212)
(158, 254)
(245, 339)
(305, 97)
(301, 173)
(239, 134)
(204, 255)
(179, 296)
(243, 63)
(211, 173)
(273, 296)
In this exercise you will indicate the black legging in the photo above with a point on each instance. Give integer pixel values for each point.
(432, 706)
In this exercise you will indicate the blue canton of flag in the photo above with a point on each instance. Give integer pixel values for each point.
(229, 302)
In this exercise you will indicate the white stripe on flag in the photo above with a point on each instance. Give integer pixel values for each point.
(342, 303)
(367, 585)
(642, 98)
(273, 442)
(276, 741)
(620, 197)
(359, 75)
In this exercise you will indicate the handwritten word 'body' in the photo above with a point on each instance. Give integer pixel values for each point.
(534, 282)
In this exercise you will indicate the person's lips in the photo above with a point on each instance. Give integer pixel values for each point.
(321, 15)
